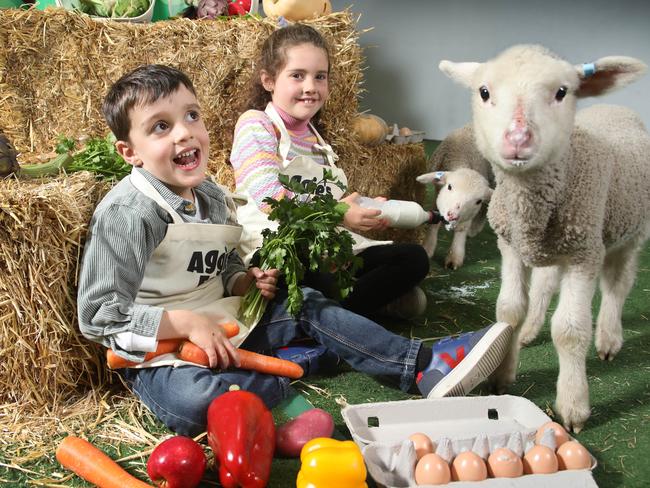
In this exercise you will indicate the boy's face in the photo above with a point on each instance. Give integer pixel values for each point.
(301, 87)
(168, 138)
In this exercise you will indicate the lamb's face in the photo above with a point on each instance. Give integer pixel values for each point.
(461, 195)
(524, 107)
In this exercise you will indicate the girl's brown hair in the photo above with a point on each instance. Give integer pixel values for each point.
(273, 58)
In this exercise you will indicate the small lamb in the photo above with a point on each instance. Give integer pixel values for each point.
(464, 180)
(572, 201)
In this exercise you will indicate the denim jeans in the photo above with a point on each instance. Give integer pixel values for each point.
(180, 397)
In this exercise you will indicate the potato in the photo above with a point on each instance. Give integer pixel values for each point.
(291, 436)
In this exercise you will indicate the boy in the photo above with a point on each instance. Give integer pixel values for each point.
(159, 263)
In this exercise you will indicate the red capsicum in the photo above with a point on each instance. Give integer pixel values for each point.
(241, 434)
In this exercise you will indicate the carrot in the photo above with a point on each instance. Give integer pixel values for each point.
(164, 346)
(231, 329)
(269, 364)
(248, 360)
(91, 464)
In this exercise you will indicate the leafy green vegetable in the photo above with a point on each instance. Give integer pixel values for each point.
(65, 145)
(130, 8)
(99, 156)
(308, 235)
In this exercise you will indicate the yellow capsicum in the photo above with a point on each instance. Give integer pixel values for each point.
(328, 463)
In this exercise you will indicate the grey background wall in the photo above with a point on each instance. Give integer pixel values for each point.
(410, 37)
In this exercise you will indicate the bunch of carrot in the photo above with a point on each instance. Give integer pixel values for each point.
(190, 352)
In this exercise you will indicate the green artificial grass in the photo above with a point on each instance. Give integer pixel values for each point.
(616, 434)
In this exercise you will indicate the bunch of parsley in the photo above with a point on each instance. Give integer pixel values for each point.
(99, 156)
(308, 235)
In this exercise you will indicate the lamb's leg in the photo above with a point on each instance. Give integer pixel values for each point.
(513, 298)
(456, 254)
(543, 284)
(511, 308)
(571, 332)
(431, 239)
(616, 280)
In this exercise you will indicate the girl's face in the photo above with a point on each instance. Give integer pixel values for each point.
(168, 138)
(301, 87)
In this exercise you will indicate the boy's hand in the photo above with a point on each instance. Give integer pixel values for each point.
(362, 219)
(207, 334)
(265, 281)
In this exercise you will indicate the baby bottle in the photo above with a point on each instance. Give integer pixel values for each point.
(401, 214)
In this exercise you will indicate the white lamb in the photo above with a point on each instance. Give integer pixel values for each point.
(464, 180)
(572, 201)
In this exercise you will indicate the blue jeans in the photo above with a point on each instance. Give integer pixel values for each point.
(180, 397)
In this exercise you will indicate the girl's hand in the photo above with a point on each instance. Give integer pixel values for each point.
(264, 280)
(361, 219)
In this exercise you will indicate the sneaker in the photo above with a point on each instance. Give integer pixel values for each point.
(314, 359)
(410, 305)
(461, 363)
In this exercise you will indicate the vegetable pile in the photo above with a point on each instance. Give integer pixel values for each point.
(308, 234)
(112, 8)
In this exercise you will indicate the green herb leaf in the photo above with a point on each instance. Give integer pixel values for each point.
(309, 236)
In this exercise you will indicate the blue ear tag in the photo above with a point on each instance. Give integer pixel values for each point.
(438, 175)
(282, 22)
(588, 69)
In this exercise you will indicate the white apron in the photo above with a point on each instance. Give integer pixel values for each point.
(305, 168)
(184, 271)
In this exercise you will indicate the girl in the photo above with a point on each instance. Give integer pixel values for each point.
(277, 135)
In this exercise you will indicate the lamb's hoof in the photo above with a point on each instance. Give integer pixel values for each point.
(574, 417)
(575, 428)
(452, 263)
(606, 356)
(608, 349)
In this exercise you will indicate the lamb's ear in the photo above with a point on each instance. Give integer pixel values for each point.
(607, 74)
(488, 194)
(462, 73)
(437, 178)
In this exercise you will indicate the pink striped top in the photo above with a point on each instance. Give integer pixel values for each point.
(254, 155)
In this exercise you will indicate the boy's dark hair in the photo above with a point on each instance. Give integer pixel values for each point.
(142, 86)
(273, 57)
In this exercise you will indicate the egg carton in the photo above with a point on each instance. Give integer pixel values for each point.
(394, 137)
(380, 429)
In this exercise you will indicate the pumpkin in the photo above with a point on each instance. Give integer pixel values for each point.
(369, 129)
(295, 10)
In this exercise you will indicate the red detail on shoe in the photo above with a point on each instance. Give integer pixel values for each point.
(418, 377)
(451, 362)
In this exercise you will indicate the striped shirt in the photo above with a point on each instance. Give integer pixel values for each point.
(255, 157)
(125, 229)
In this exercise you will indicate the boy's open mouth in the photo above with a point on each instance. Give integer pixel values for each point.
(188, 160)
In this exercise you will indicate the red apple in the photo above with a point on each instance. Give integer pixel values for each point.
(178, 462)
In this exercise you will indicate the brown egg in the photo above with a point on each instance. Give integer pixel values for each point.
(503, 463)
(421, 443)
(468, 466)
(540, 460)
(561, 435)
(573, 455)
(432, 470)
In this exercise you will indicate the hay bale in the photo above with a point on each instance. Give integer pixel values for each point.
(42, 228)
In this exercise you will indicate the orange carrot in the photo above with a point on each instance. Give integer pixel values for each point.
(231, 329)
(164, 346)
(248, 360)
(91, 464)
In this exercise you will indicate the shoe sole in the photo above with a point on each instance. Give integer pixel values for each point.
(479, 364)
